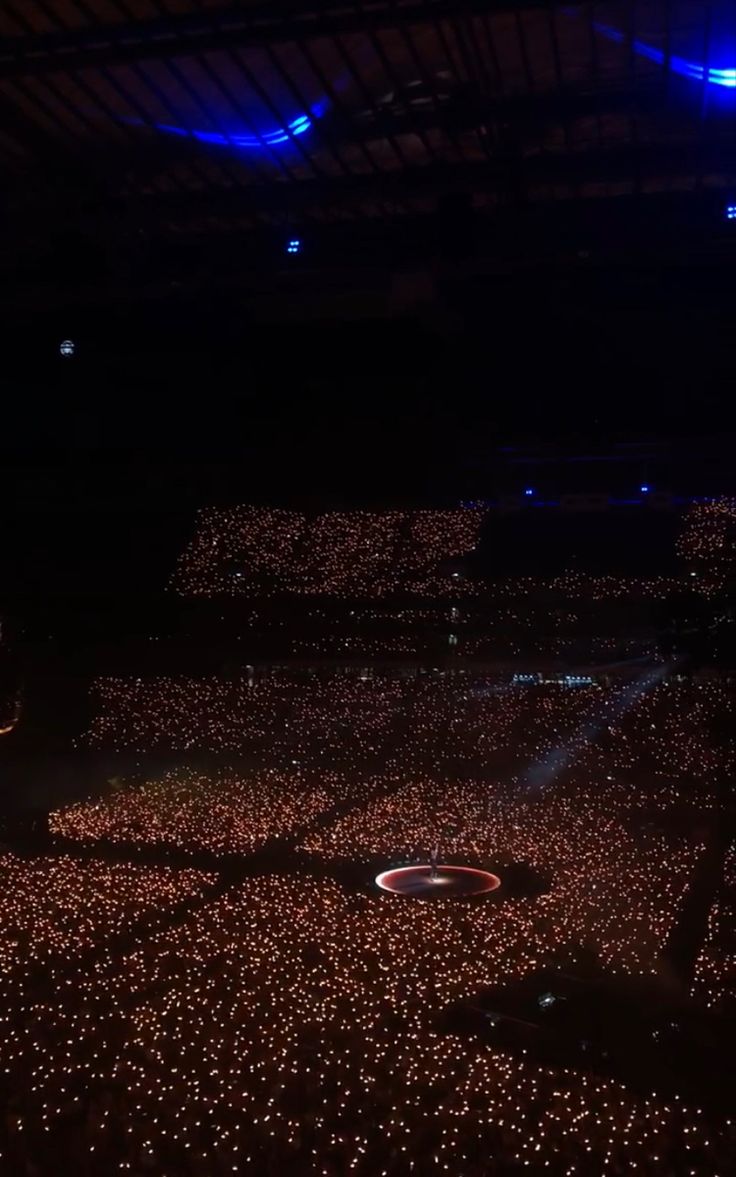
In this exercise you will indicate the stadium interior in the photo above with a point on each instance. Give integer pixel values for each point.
(367, 619)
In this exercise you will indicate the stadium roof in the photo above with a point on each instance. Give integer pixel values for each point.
(153, 149)
(251, 112)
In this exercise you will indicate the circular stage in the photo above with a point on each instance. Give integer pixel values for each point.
(450, 882)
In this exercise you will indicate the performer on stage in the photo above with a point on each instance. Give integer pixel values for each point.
(433, 861)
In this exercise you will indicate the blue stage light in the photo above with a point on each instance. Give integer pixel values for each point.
(644, 489)
(297, 126)
(731, 212)
(294, 245)
(529, 491)
(696, 71)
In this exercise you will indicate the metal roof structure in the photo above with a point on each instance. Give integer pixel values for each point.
(342, 109)
(125, 118)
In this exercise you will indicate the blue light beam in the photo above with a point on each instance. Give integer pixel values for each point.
(297, 126)
(545, 772)
(696, 71)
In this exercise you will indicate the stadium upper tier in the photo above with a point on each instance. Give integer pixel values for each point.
(262, 552)
(252, 551)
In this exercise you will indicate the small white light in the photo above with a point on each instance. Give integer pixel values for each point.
(67, 348)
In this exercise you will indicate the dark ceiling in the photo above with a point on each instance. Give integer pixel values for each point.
(129, 126)
(539, 187)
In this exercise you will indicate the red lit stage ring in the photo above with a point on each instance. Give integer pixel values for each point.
(450, 882)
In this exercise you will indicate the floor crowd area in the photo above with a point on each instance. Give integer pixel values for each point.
(287, 1019)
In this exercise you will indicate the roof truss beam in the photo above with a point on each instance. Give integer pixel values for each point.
(237, 25)
(596, 166)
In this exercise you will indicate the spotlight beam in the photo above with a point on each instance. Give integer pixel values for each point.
(542, 774)
(694, 70)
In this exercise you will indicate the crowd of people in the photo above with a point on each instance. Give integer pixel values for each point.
(582, 843)
(266, 714)
(259, 552)
(58, 907)
(708, 541)
(222, 811)
(450, 720)
(715, 968)
(290, 1028)
(506, 625)
(160, 1020)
